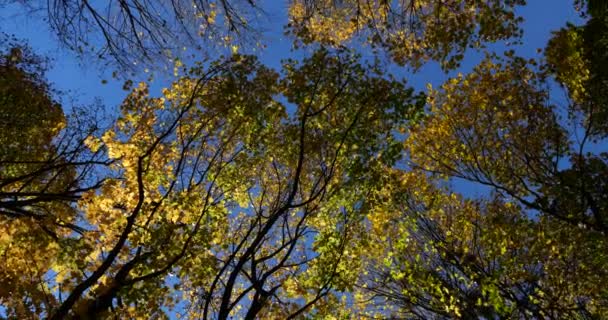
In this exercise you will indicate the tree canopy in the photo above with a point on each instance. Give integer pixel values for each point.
(150, 32)
(326, 189)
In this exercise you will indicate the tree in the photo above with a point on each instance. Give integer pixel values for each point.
(45, 168)
(438, 255)
(236, 193)
(412, 32)
(43, 155)
(144, 32)
(576, 56)
(535, 246)
(329, 189)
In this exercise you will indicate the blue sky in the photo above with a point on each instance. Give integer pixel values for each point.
(84, 78)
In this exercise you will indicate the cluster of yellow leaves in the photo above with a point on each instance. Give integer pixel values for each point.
(333, 29)
(485, 132)
(565, 54)
(411, 31)
(27, 253)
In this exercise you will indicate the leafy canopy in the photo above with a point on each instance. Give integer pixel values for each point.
(327, 189)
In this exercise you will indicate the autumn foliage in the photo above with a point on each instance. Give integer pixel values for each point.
(327, 189)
